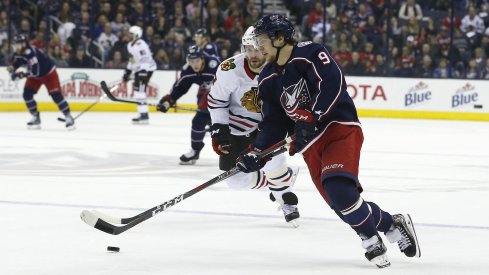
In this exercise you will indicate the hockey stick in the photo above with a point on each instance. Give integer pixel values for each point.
(85, 110)
(107, 91)
(105, 222)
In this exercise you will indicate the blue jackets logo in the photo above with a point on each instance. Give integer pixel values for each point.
(417, 94)
(464, 95)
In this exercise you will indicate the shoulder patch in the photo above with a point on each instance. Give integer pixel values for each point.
(213, 64)
(208, 46)
(305, 43)
(28, 51)
(228, 64)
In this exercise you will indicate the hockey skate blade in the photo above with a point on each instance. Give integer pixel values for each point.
(381, 261)
(89, 218)
(190, 162)
(34, 127)
(146, 122)
(294, 223)
(71, 128)
(410, 225)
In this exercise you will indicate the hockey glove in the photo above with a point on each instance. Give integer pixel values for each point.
(18, 75)
(305, 131)
(126, 76)
(165, 103)
(248, 160)
(220, 138)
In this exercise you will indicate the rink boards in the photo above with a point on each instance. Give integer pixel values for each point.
(374, 96)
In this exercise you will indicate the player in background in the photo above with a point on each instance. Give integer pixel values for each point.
(40, 70)
(201, 39)
(304, 85)
(235, 113)
(143, 66)
(200, 69)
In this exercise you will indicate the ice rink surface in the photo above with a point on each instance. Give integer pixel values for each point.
(438, 171)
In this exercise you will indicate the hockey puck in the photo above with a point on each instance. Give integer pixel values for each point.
(113, 249)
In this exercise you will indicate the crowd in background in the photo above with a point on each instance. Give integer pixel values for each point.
(412, 38)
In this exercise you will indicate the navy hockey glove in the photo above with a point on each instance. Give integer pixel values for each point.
(220, 134)
(305, 131)
(18, 75)
(126, 76)
(248, 160)
(165, 103)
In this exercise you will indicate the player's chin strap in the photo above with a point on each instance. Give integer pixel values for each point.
(278, 49)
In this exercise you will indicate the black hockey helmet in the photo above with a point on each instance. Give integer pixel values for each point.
(194, 52)
(275, 24)
(20, 38)
(201, 31)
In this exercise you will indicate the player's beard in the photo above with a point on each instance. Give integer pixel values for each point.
(256, 63)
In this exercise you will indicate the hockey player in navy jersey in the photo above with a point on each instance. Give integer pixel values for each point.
(40, 70)
(201, 70)
(235, 112)
(201, 39)
(304, 92)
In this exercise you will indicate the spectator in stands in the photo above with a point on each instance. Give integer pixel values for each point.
(425, 68)
(485, 71)
(58, 56)
(362, 16)
(107, 39)
(379, 66)
(447, 21)
(162, 59)
(472, 71)
(80, 59)
(181, 29)
(99, 27)
(25, 28)
(405, 70)
(137, 14)
(343, 55)
(331, 10)
(372, 32)
(410, 9)
(443, 70)
(480, 57)
(356, 66)
(485, 44)
(472, 19)
(116, 62)
(121, 45)
(315, 15)
(118, 23)
(349, 8)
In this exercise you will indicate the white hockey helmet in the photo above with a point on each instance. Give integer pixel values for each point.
(248, 38)
(136, 31)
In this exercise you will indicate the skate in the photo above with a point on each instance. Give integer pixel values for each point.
(402, 231)
(288, 205)
(376, 251)
(142, 119)
(190, 158)
(35, 122)
(69, 122)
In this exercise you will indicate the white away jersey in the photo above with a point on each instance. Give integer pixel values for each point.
(141, 56)
(233, 99)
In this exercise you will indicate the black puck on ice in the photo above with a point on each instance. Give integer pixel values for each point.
(113, 249)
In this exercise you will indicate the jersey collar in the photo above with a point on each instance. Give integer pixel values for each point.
(248, 71)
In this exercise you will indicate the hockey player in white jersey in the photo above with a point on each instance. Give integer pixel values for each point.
(143, 66)
(235, 113)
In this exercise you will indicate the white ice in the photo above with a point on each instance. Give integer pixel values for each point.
(438, 171)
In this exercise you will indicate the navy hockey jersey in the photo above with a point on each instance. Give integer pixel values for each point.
(204, 79)
(310, 80)
(38, 63)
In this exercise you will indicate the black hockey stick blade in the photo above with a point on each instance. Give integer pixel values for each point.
(98, 222)
(61, 119)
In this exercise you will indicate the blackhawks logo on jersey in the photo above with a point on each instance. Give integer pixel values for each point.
(228, 64)
(250, 101)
